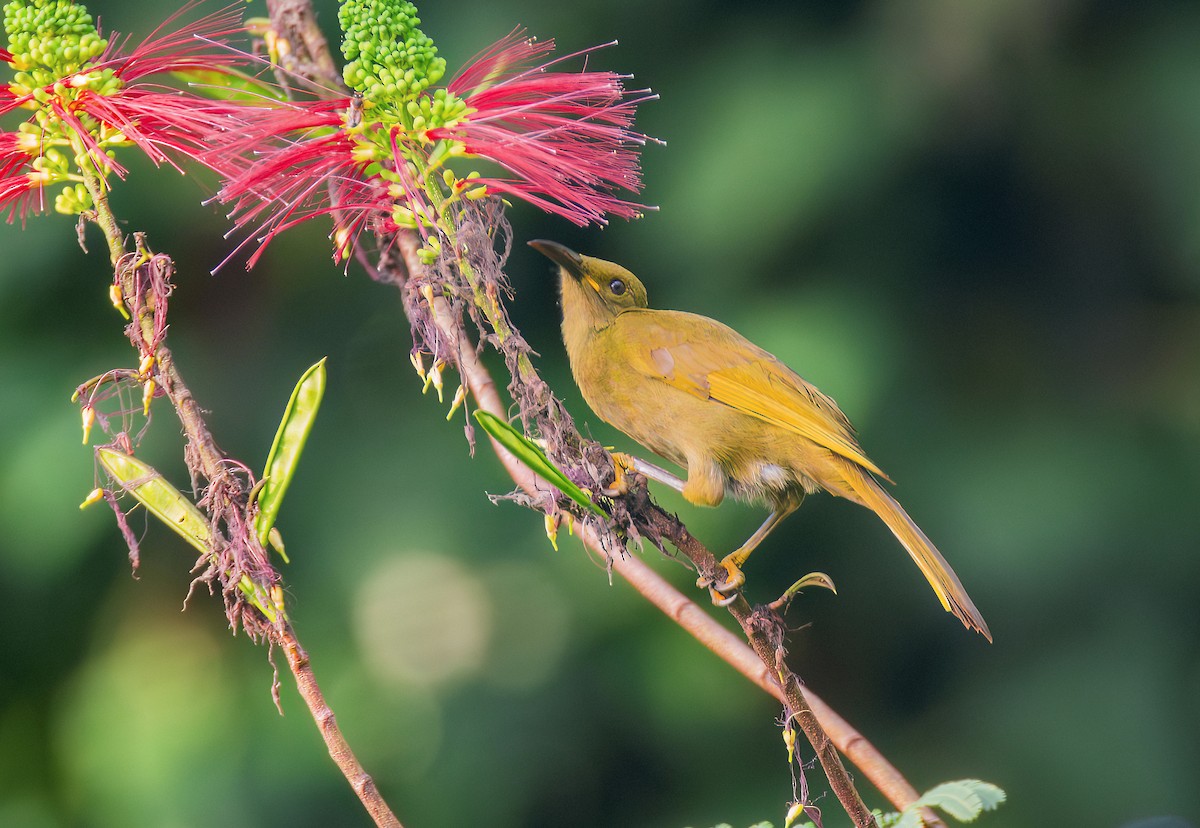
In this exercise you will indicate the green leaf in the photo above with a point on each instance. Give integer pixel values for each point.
(531, 455)
(230, 85)
(964, 799)
(285, 452)
(889, 820)
(160, 498)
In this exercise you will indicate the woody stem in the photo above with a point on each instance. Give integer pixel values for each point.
(147, 333)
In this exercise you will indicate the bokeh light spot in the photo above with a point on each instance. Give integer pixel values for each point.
(422, 619)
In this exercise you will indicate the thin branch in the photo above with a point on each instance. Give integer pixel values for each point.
(759, 665)
(302, 49)
(339, 748)
(765, 631)
(295, 21)
(143, 280)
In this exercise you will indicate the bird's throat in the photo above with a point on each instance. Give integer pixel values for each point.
(583, 314)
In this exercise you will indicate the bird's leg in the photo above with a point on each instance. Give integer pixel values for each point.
(653, 472)
(623, 463)
(724, 592)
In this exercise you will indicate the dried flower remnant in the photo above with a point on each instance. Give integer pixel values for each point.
(400, 151)
(89, 98)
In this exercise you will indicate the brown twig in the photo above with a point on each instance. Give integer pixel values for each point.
(765, 631)
(143, 280)
(760, 665)
(765, 665)
(228, 503)
(339, 748)
(303, 50)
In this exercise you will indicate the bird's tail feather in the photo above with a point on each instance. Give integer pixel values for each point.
(933, 566)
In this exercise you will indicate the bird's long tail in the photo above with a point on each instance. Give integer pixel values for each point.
(933, 566)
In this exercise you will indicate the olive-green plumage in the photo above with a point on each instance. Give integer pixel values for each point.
(740, 421)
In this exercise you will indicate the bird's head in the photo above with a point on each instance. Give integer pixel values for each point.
(593, 289)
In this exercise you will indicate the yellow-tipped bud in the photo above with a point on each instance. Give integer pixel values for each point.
(89, 419)
(118, 299)
(145, 365)
(789, 739)
(147, 396)
(341, 241)
(278, 46)
(94, 496)
(795, 811)
(275, 538)
(435, 377)
(552, 530)
(418, 363)
(364, 153)
(459, 396)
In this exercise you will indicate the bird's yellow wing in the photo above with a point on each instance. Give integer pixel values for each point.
(712, 361)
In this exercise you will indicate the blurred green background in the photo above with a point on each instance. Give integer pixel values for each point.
(976, 225)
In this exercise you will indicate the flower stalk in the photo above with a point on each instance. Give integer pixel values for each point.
(441, 283)
(89, 101)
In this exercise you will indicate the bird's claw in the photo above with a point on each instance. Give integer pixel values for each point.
(725, 592)
(720, 599)
(622, 465)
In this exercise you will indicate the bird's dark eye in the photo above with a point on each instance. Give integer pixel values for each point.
(617, 287)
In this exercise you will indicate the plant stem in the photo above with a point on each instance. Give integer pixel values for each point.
(765, 632)
(199, 438)
(339, 748)
(142, 296)
(760, 664)
(296, 20)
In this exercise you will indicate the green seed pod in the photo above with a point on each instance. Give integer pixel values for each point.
(285, 452)
(160, 498)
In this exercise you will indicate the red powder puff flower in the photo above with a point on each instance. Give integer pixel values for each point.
(563, 138)
(110, 100)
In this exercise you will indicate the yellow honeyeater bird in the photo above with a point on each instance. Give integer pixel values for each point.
(740, 421)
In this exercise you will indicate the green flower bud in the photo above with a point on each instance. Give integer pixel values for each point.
(386, 54)
(51, 38)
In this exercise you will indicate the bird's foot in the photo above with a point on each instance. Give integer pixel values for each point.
(622, 465)
(724, 592)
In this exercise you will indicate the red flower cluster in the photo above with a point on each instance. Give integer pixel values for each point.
(561, 140)
(566, 138)
(113, 101)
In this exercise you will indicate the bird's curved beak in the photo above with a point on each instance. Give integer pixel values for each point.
(561, 255)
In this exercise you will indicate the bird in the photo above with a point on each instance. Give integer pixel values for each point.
(740, 421)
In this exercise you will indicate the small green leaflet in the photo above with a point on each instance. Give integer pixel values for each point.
(964, 799)
(531, 454)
